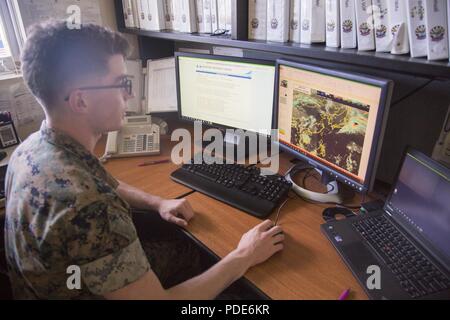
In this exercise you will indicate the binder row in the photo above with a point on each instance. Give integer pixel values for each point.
(191, 16)
(416, 27)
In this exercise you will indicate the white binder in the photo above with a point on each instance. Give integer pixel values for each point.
(152, 15)
(257, 19)
(214, 16)
(348, 24)
(168, 15)
(417, 30)
(135, 10)
(228, 15)
(448, 27)
(221, 14)
(207, 16)
(437, 24)
(313, 21)
(383, 36)
(294, 21)
(200, 17)
(278, 20)
(188, 21)
(364, 23)
(398, 26)
(332, 17)
(128, 14)
(176, 7)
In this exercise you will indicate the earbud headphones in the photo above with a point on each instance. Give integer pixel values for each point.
(332, 195)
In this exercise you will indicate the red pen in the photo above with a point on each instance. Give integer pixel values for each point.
(149, 163)
(344, 295)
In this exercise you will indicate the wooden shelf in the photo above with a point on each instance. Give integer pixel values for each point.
(402, 63)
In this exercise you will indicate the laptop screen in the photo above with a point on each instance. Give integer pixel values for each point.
(421, 200)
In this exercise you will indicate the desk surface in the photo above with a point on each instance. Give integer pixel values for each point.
(307, 268)
(154, 179)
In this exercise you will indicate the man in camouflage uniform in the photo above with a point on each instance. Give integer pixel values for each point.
(63, 209)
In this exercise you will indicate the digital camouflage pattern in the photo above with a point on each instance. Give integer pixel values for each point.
(62, 210)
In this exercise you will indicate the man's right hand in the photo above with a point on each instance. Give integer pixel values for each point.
(261, 242)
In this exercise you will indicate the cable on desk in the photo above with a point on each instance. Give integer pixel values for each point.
(185, 194)
(279, 209)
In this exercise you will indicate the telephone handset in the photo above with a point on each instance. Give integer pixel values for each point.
(138, 137)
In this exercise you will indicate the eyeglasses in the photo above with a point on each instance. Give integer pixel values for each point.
(220, 32)
(126, 84)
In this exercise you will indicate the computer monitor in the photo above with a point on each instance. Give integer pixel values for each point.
(226, 92)
(332, 120)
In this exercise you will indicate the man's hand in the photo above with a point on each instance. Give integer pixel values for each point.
(261, 242)
(176, 211)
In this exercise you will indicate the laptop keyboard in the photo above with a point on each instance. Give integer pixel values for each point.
(417, 275)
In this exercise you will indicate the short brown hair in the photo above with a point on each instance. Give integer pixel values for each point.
(55, 56)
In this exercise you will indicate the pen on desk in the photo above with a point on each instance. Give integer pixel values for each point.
(149, 163)
(344, 295)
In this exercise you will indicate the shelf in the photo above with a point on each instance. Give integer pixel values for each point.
(403, 63)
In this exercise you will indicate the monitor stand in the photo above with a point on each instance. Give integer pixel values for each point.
(232, 143)
(332, 186)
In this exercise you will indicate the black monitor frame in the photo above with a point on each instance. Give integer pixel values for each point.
(222, 58)
(434, 165)
(380, 124)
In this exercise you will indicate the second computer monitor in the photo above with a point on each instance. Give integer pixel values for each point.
(332, 120)
(226, 92)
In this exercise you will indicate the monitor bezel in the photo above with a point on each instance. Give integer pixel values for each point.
(223, 58)
(386, 86)
(413, 232)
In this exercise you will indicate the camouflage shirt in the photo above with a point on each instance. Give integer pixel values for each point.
(62, 210)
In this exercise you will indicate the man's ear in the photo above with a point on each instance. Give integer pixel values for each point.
(76, 102)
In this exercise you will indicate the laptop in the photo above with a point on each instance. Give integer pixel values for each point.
(403, 250)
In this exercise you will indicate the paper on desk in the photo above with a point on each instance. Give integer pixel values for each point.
(26, 112)
(25, 106)
(33, 11)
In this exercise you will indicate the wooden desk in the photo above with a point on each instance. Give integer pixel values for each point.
(154, 179)
(307, 268)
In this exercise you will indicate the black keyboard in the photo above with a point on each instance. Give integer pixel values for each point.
(417, 275)
(239, 186)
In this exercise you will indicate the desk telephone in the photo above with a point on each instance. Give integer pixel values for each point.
(138, 137)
